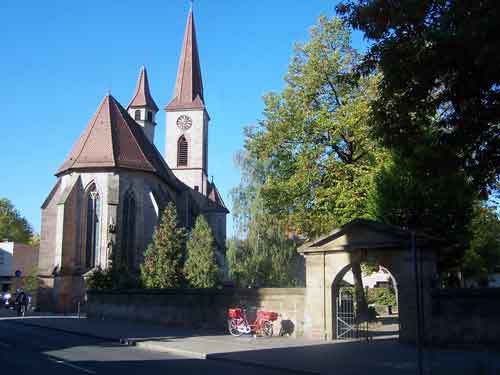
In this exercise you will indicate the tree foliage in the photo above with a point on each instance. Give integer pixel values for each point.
(482, 257)
(162, 266)
(200, 269)
(266, 256)
(115, 276)
(315, 135)
(13, 227)
(440, 88)
(410, 196)
(30, 281)
(381, 296)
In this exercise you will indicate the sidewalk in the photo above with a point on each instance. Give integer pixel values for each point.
(383, 356)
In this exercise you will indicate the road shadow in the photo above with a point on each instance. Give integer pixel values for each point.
(384, 356)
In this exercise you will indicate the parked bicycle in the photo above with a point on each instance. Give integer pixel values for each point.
(238, 323)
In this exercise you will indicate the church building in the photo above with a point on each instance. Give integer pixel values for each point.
(112, 187)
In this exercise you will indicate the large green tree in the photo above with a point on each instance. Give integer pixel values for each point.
(315, 135)
(319, 158)
(439, 96)
(13, 226)
(200, 269)
(162, 266)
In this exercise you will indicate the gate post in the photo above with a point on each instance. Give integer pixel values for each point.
(314, 312)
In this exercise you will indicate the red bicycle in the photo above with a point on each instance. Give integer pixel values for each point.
(238, 323)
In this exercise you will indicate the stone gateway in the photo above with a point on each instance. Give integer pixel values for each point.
(112, 187)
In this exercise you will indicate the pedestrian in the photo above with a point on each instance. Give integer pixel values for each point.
(21, 301)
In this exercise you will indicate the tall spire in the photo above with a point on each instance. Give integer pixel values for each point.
(188, 92)
(142, 96)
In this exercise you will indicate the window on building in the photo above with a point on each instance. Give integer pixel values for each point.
(93, 227)
(196, 188)
(137, 114)
(182, 152)
(128, 230)
(150, 116)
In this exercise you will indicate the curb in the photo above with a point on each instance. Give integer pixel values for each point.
(151, 345)
(89, 335)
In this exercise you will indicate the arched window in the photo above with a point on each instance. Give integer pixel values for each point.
(137, 114)
(182, 152)
(92, 227)
(128, 230)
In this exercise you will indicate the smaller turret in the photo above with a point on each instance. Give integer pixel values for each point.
(142, 107)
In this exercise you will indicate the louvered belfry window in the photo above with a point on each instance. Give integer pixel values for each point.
(182, 152)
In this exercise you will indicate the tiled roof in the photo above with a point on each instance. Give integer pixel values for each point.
(113, 139)
(188, 92)
(142, 96)
(214, 196)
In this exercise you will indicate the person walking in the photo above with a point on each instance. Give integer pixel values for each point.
(21, 301)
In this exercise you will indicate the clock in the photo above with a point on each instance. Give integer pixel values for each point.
(184, 122)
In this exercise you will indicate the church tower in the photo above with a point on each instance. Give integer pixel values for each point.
(186, 145)
(142, 107)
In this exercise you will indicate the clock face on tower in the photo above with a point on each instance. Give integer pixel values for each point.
(184, 122)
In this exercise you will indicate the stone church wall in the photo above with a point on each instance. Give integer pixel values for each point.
(199, 308)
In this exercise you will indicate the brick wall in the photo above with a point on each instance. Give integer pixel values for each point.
(199, 308)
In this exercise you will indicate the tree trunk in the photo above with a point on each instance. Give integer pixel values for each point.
(362, 306)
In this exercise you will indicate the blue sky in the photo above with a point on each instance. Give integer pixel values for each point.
(60, 57)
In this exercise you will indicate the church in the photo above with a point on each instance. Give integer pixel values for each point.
(112, 187)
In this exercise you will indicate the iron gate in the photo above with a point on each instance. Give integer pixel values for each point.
(346, 327)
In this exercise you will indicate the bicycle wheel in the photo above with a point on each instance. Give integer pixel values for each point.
(233, 327)
(267, 328)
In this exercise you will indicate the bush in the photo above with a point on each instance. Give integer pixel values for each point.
(115, 277)
(99, 279)
(381, 296)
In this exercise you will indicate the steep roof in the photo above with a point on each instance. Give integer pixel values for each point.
(113, 139)
(188, 92)
(142, 96)
(214, 195)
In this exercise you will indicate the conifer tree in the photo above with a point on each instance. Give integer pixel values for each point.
(201, 269)
(162, 266)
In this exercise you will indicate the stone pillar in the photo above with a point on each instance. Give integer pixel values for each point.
(314, 314)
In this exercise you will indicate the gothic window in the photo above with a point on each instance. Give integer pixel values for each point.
(128, 229)
(92, 227)
(182, 152)
(137, 114)
(150, 116)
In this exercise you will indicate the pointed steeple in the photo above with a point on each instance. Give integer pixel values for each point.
(142, 96)
(188, 92)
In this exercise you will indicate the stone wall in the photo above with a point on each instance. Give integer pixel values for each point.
(199, 308)
(465, 317)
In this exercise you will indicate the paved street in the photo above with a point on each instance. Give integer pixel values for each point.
(67, 345)
(30, 350)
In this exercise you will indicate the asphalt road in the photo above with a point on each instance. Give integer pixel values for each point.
(30, 350)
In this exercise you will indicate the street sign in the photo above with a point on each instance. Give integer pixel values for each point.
(18, 273)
